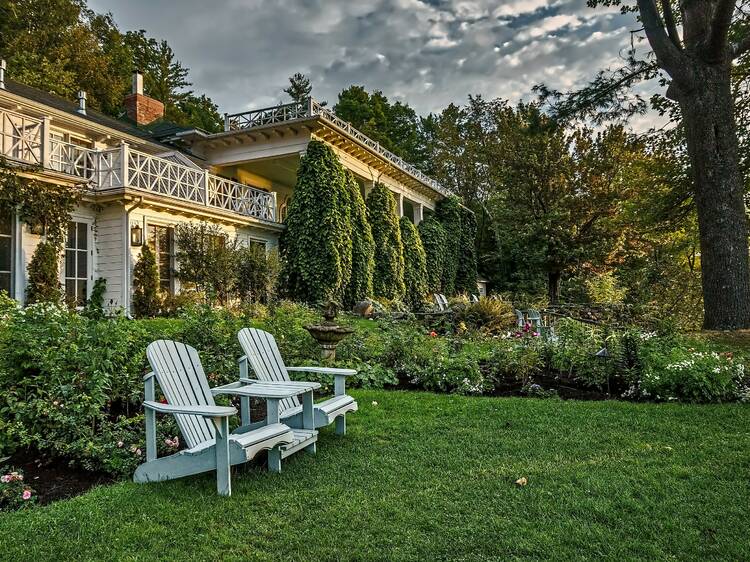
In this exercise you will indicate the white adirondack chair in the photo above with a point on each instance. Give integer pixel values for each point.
(520, 320)
(474, 298)
(203, 424)
(263, 356)
(441, 302)
(535, 318)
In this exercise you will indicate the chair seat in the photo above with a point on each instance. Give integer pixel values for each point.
(250, 438)
(326, 406)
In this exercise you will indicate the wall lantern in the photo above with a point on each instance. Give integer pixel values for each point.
(136, 235)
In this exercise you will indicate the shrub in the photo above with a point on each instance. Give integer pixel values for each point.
(146, 298)
(448, 212)
(14, 492)
(315, 246)
(207, 259)
(466, 272)
(491, 315)
(44, 283)
(257, 273)
(605, 289)
(388, 277)
(415, 266)
(363, 247)
(434, 242)
(95, 304)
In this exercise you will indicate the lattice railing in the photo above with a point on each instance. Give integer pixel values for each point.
(167, 178)
(20, 137)
(311, 108)
(240, 198)
(72, 159)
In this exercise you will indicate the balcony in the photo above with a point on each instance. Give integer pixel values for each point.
(27, 140)
(312, 109)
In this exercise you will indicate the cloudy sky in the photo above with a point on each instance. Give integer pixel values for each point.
(426, 52)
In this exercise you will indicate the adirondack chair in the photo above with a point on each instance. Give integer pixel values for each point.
(474, 298)
(263, 356)
(520, 320)
(535, 318)
(203, 424)
(441, 302)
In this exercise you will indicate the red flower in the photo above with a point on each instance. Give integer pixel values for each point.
(433, 334)
(163, 401)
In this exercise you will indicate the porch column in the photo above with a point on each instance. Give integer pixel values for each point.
(418, 213)
(400, 205)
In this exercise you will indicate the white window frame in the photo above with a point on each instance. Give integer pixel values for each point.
(89, 222)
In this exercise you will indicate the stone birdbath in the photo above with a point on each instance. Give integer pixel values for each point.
(328, 334)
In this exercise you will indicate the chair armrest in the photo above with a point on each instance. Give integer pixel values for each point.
(262, 390)
(294, 384)
(324, 371)
(205, 411)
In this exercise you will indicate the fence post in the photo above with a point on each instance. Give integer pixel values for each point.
(205, 186)
(226, 122)
(124, 157)
(46, 146)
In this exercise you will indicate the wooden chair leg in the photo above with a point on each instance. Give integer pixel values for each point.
(223, 474)
(341, 425)
(274, 460)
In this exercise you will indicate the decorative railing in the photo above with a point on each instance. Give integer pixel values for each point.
(311, 108)
(21, 137)
(164, 177)
(27, 140)
(72, 159)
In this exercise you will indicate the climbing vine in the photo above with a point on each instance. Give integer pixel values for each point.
(433, 237)
(448, 212)
(316, 245)
(466, 274)
(38, 203)
(363, 246)
(415, 264)
(388, 276)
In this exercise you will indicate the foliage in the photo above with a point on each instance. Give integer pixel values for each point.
(388, 276)
(490, 315)
(15, 493)
(94, 308)
(257, 273)
(605, 289)
(434, 241)
(299, 88)
(363, 247)
(146, 297)
(207, 259)
(43, 284)
(448, 212)
(466, 273)
(415, 264)
(38, 203)
(314, 246)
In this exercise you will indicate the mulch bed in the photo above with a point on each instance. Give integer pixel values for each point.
(54, 479)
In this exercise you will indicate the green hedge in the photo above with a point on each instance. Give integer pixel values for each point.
(448, 212)
(415, 265)
(434, 241)
(466, 272)
(316, 245)
(363, 246)
(388, 277)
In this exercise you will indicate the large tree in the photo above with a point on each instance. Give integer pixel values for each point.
(696, 45)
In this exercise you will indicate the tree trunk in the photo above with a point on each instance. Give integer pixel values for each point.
(553, 286)
(719, 196)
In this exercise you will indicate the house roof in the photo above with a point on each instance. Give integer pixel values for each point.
(153, 132)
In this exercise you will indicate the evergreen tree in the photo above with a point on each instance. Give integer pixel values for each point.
(299, 88)
(363, 247)
(316, 245)
(415, 264)
(388, 276)
(146, 298)
(44, 285)
(434, 241)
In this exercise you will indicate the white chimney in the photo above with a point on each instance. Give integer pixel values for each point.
(2, 74)
(81, 102)
(137, 82)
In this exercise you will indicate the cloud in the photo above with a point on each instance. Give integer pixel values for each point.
(426, 52)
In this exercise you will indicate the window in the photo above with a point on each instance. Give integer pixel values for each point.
(161, 240)
(6, 252)
(77, 263)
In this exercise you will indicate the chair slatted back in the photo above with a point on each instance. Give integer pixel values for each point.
(181, 378)
(264, 358)
(441, 302)
(521, 319)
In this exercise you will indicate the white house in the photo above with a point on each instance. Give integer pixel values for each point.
(144, 175)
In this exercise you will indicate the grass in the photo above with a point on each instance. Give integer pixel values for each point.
(431, 477)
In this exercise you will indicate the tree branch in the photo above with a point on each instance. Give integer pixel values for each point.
(674, 35)
(719, 31)
(669, 57)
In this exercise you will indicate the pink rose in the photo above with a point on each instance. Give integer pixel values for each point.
(26, 495)
(5, 478)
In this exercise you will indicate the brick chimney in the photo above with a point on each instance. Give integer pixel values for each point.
(142, 109)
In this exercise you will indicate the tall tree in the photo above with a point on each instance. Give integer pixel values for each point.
(299, 88)
(695, 44)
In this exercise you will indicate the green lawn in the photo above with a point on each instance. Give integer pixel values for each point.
(428, 477)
